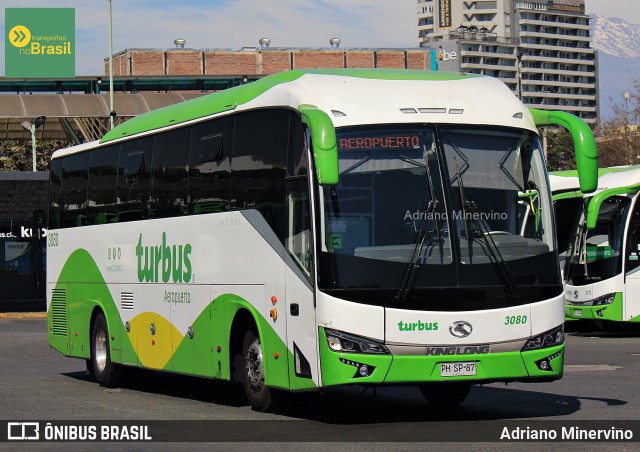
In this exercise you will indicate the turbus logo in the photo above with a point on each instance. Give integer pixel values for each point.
(163, 262)
(417, 326)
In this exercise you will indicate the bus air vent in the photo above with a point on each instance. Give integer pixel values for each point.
(126, 300)
(59, 312)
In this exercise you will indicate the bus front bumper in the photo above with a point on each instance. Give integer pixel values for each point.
(611, 311)
(357, 368)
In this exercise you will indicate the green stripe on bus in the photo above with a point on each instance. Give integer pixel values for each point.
(86, 290)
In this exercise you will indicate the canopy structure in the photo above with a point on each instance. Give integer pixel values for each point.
(85, 115)
(78, 109)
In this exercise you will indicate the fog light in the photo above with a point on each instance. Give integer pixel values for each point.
(363, 370)
(543, 365)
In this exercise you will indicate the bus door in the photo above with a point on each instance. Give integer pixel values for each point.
(300, 306)
(631, 305)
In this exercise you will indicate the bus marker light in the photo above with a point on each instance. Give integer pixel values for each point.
(273, 314)
(190, 332)
(153, 342)
(218, 349)
(274, 299)
(50, 328)
(276, 355)
(76, 334)
(127, 326)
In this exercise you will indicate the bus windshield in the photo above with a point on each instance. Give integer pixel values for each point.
(430, 207)
(596, 254)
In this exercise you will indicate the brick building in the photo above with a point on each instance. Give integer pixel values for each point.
(258, 61)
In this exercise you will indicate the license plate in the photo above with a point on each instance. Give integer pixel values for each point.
(457, 369)
(577, 312)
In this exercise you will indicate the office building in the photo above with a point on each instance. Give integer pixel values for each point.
(541, 49)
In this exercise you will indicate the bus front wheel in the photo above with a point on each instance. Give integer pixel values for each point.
(106, 372)
(260, 396)
(445, 394)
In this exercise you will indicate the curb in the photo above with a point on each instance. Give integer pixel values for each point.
(23, 315)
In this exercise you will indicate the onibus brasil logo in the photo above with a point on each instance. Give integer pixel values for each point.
(20, 37)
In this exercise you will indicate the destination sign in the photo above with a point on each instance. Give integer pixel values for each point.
(376, 143)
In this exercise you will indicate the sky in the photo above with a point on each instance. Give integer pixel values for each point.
(233, 24)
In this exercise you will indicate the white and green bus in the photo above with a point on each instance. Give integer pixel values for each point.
(567, 202)
(602, 268)
(315, 228)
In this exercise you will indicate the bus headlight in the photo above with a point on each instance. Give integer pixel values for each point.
(550, 338)
(605, 299)
(343, 342)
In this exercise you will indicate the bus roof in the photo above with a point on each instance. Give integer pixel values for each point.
(622, 176)
(611, 177)
(354, 96)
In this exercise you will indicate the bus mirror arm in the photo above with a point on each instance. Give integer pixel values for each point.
(583, 141)
(323, 138)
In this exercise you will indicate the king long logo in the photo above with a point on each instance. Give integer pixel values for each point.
(163, 262)
(460, 329)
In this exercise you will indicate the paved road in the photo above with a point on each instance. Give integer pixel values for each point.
(37, 383)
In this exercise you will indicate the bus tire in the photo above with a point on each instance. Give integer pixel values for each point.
(445, 394)
(258, 394)
(105, 371)
(90, 370)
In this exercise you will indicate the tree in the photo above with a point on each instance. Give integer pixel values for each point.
(16, 155)
(619, 140)
(560, 150)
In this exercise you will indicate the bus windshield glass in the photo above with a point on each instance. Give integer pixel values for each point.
(596, 254)
(421, 208)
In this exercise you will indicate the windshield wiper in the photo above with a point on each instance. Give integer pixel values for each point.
(406, 285)
(493, 251)
(464, 204)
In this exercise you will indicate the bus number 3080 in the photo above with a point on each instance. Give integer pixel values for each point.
(515, 320)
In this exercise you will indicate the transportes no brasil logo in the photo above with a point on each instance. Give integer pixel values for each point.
(39, 42)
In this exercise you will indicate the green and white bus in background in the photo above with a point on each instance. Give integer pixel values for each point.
(602, 268)
(315, 228)
(567, 202)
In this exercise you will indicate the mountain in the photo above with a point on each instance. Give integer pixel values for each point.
(616, 37)
(618, 45)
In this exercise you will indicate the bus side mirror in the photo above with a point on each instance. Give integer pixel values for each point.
(325, 148)
(583, 142)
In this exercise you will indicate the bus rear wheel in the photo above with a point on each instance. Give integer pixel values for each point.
(105, 371)
(445, 394)
(261, 397)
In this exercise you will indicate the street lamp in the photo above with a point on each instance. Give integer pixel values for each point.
(627, 96)
(28, 126)
(111, 112)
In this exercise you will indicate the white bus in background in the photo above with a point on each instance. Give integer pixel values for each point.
(312, 229)
(602, 268)
(567, 204)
